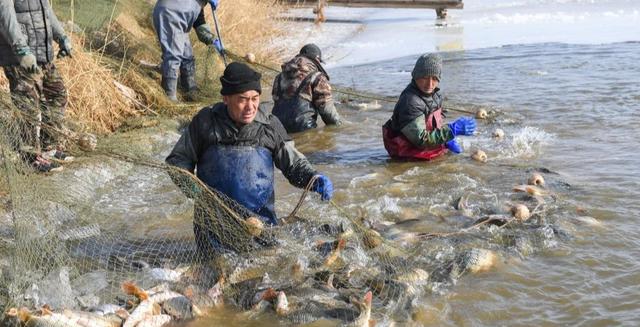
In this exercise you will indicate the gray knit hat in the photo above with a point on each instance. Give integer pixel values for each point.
(429, 64)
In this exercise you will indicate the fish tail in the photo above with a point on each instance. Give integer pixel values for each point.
(131, 289)
(24, 315)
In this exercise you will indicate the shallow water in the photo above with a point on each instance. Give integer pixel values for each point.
(564, 78)
(568, 108)
(568, 111)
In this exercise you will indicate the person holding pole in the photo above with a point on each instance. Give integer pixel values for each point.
(173, 20)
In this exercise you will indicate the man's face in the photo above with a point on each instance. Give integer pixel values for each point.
(427, 84)
(243, 107)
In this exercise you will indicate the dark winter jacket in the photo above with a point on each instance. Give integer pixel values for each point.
(213, 125)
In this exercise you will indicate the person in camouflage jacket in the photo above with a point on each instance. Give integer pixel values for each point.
(27, 28)
(302, 91)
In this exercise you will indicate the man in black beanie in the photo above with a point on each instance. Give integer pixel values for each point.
(302, 92)
(233, 146)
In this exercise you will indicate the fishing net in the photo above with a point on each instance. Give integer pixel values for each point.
(119, 216)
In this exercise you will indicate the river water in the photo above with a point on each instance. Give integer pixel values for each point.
(565, 77)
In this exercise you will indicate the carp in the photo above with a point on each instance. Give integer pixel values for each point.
(89, 319)
(145, 309)
(10, 318)
(47, 320)
(154, 321)
(203, 300)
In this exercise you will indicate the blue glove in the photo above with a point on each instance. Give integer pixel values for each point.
(218, 46)
(463, 126)
(214, 4)
(323, 186)
(453, 146)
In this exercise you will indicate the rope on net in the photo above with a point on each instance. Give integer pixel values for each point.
(339, 89)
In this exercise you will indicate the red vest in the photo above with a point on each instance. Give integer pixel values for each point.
(398, 146)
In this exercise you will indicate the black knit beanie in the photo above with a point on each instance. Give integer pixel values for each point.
(239, 78)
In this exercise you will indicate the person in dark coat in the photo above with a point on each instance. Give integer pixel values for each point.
(233, 146)
(416, 129)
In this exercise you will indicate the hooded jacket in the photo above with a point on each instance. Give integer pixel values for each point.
(317, 91)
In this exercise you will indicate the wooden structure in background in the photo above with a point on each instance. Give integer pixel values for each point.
(440, 6)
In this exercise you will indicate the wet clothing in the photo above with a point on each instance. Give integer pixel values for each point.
(416, 129)
(301, 92)
(237, 161)
(247, 177)
(173, 20)
(41, 97)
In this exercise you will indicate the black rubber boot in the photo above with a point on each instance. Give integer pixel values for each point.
(188, 80)
(169, 85)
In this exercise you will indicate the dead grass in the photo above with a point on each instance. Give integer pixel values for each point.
(95, 103)
(113, 55)
(249, 26)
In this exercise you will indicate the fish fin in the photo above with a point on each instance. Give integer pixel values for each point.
(368, 298)
(520, 188)
(197, 311)
(372, 323)
(270, 294)
(188, 292)
(46, 310)
(122, 313)
(24, 315)
(131, 289)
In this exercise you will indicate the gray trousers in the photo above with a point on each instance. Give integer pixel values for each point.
(173, 20)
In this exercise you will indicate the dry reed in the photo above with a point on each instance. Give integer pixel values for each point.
(95, 102)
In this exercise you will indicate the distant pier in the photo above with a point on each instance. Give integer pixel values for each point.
(440, 6)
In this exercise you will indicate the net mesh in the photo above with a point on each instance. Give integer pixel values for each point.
(121, 216)
(116, 227)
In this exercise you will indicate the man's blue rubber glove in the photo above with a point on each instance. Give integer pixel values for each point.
(463, 126)
(453, 146)
(323, 186)
(214, 4)
(218, 46)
